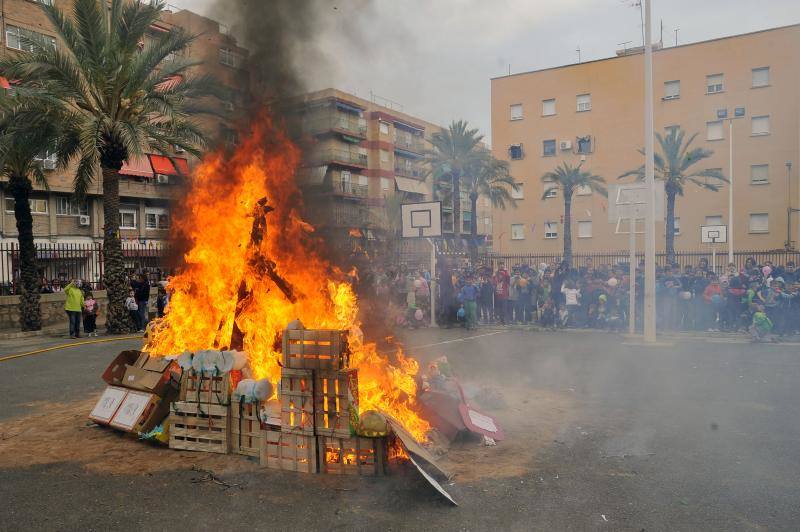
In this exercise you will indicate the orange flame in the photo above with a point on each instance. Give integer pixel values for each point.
(216, 223)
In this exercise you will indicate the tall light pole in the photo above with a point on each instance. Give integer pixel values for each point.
(738, 112)
(649, 172)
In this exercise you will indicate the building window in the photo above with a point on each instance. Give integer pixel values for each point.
(677, 226)
(714, 220)
(228, 57)
(584, 144)
(346, 181)
(44, 2)
(714, 130)
(384, 156)
(517, 232)
(672, 129)
(156, 218)
(487, 221)
(584, 102)
(26, 40)
(551, 191)
(761, 77)
(127, 218)
(516, 111)
(583, 190)
(515, 151)
(714, 84)
(549, 147)
(38, 205)
(759, 174)
(672, 90)
(517, 193)
(549, 107)
(66, 206)
(384, 184)
(384, 128)
(550, 230)
(584, 229)
(759, 223)
(486, 202)
(760, 125)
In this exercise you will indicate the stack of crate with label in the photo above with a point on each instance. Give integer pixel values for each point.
(199, 421)
(319, 409)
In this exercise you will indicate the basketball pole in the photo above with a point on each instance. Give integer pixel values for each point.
(632, 279)
(432, 288)
(650, 228)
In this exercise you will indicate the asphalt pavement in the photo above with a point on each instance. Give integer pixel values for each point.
(695, 434)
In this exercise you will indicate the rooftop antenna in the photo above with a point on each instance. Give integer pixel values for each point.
(676, 36)
(578, 49)
(661, 39)
(624, 46)
(509, 69)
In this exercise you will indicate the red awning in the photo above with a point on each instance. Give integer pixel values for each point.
(139, 167)
(4, 83)
(163, 165)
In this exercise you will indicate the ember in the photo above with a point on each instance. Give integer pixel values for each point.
(253, 266)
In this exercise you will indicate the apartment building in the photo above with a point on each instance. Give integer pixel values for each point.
(359, 154)
(149, 184)
(592, 113)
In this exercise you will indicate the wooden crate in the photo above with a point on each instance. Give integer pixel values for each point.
(205, 388)
(297, 401)
(289, 452)
(314, 349)
(199, 427)
(247, 431)
(352, 456)
(336, 402)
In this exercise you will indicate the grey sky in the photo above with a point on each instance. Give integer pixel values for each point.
(436, 58)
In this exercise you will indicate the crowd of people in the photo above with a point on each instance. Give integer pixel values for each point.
(761, 299)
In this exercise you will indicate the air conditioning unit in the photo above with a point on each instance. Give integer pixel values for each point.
(566, 145)
(162, 179)
(49, 164)
(83, 220)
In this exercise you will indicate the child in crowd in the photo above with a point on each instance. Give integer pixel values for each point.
(90, 315)
(133, 309)
(761, 328)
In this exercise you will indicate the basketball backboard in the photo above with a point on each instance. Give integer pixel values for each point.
(714, 234)
(626, 202)
(421, 220)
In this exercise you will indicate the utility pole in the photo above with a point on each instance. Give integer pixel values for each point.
(730, 191)
(649, 165)
(676, 36)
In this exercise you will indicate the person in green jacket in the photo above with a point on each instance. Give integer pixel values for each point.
(74, 307)
(761, 326)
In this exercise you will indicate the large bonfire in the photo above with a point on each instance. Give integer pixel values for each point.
(215, 225)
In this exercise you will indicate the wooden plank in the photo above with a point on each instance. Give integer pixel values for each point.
(313, 349)
(352, 456)
(289, 452)
(336, 403)
(297, 401)
(246, 429)
(205, 387)
(199, 427)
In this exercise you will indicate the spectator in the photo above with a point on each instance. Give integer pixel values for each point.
(572, 302)
(90, 315)
(501, 289)
(485, 299)
(73, 307)
(133, 309)
(141, 291)
(469, 297)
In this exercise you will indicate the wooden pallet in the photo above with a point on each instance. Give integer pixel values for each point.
(314, 349)
(352, 456)
(205, 388)
(336, 402)
(297, 401)
(246, 429)
(289, 452)
(199, 427)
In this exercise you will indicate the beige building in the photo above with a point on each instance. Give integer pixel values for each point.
(592, 113)
(148, 185)
(360, 154)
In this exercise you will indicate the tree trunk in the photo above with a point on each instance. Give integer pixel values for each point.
(457, 206)
(670, 226)
(30, 314)
(568, 228)
(114, 276)
(473, 229)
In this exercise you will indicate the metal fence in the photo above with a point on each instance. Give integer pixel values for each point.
(612, 258)
(59, 262)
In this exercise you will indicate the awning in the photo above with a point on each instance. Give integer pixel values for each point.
(313, 176)
(4, 83)
(139, 167)
(354, 140)
(163, 165)
(350, 108)
(411, 185)
(408, 126)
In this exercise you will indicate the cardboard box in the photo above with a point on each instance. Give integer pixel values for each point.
(115, 371)
(108, 405)
(140, 412)
(148, 381)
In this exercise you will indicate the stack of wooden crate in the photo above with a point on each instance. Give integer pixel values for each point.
(319, 410)
(200, 420)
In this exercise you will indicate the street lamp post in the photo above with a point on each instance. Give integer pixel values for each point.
(738, 112)
(649, 164)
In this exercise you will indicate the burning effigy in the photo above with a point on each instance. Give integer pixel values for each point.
(261, 351)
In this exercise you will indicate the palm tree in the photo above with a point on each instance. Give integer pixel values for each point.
(123, 92)
(19, 149)
(569, 178)
(672, 166)
(491, 179)
(455, 150)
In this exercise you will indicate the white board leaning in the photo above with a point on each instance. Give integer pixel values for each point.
(421, 220)
(629, 202)
(714, 234)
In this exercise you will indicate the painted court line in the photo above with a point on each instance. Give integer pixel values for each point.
(457, 340)
(64, 346)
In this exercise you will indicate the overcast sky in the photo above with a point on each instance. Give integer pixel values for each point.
(435, 58)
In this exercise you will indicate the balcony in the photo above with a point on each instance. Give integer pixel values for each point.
(344, 123)
(412, 144)
(348, 215)
(341, 157)
(406, 170)
(350, 189)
